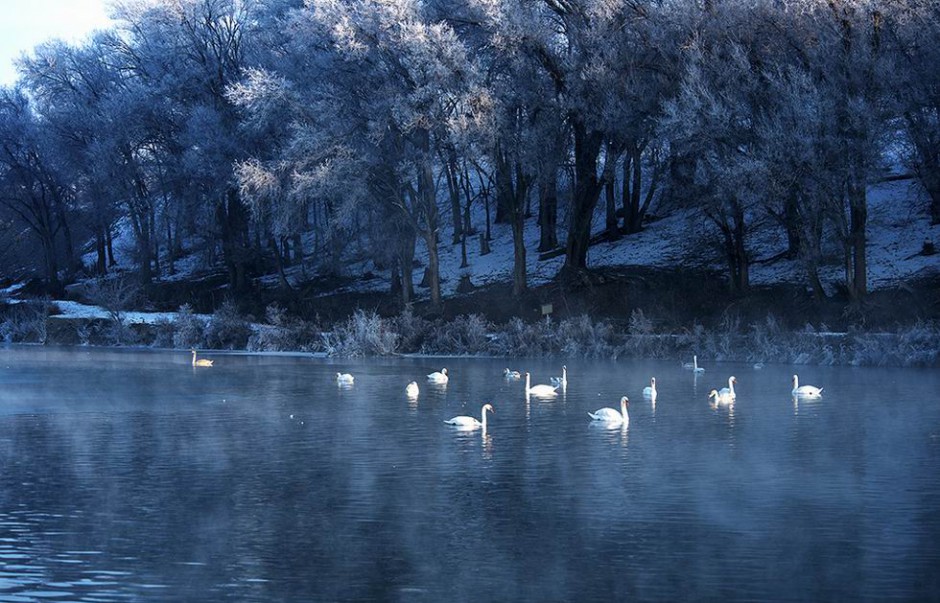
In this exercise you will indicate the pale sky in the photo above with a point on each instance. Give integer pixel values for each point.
(26, 23)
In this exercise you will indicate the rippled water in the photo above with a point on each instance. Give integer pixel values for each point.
(131, 476)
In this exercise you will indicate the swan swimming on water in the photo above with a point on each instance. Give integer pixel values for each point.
(693, 366)
(508, 374)
(721, 397)
(540, 390)
(344, 379)
(650, 390)
(562, 381)
(201, 361)
(610, 415)
(470, 423)
(412, 389)
(440, 377)
(805, 391)
(729, 391)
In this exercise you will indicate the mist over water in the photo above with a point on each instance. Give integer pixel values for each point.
(129, 475)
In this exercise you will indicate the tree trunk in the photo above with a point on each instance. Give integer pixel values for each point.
(453, 190)
(548, 209)
(428, 197)
(858, 218)
(587, 189)
(611, 223)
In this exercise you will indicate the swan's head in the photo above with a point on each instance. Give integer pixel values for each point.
(506, 371)
(653, 381)
(733, 379)
(795, 378)
(488, 407)
(443, 371)
(713, 394)
(625, 401)
(527, 375)
(338, 375)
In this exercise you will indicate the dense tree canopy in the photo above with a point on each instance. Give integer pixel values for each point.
(265, 133)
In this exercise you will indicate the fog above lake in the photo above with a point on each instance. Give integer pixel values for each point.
(133, 475)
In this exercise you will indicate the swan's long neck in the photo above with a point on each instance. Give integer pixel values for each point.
(194, 357)
(731, 385)
(694, 362)
(796, 382)
(623, 410)
(564, 375)
(528, 381)
(483, 418)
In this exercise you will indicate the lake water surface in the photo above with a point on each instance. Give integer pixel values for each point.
(130, 475)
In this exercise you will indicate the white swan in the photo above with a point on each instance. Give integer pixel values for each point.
(508, 374)
(412, 389)
(650, 390)
(805, 391)
(562, 381)
(470, 423)
(693, 366)
(540, 390)
(201, 361)
(344, 379)
(610, 415)
(440, 377)
(729, 391)
(720, 398)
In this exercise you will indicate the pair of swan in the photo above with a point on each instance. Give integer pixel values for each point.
(611, 416)
(805, 391)
(466, 423)
(541, 389)
(725, 395)
(693, 366)
(439, 377)
(562, 381)
(201, 361)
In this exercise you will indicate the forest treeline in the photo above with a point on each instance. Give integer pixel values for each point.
(266, 133)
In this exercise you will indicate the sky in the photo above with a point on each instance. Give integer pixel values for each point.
(26, 23)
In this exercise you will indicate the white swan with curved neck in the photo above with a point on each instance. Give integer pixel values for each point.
(609, 415)
(720, 398)
(344, 379)
(693, 366)
(805, 391)
(471, 423)
(440, 377)
(562, 381)
(412, 389)
(650, 390)
(729, 391)
(201, 361)
(539, 390)
(512, 375)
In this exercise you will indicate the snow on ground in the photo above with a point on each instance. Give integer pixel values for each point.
(75, 310)
(898, 227)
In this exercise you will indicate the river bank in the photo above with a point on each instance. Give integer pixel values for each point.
(366, 334)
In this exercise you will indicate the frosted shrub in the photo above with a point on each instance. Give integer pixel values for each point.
(522, 339)
(163, 333)
(412, 330)
(188, 329)
(227, 329)
(363, 334)
(463, 335)
(26, 323)
(283, 333)
(580, 337)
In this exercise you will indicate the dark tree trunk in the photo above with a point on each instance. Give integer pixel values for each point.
(611, 224)
(587, 188)
(858, 219)
(548, 210)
